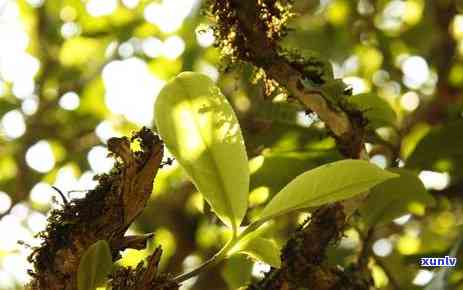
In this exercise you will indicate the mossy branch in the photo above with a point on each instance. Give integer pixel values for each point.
(105, 213)
(250, 32)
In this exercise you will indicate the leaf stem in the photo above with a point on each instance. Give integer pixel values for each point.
(214, 260)
(220, 255)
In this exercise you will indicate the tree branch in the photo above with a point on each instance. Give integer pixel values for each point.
(303, 258)
(250, 31)
(105, 213)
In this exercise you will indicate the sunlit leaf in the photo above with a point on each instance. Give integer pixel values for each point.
(328, 183)
(201, 130)
(393, 198)
(377, 111)
(261, 249)
(95, 265)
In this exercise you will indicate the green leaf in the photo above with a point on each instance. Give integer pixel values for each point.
(394, 198)
(266, 168)
(280, 137)
(95, 265)
(237, 271)
(200, 129)
(328, 183)
(281, 112)
(377, 110)
(440, 150)
(261, 249)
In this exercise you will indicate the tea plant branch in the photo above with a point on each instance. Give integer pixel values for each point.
(252, 44)
(367, 241)
(105, 213)
(250, 31)
(303, 257)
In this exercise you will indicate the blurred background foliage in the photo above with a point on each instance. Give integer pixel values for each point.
(74, 73)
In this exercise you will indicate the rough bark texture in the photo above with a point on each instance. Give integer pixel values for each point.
(104, 214)
(303, 256)
(250, 31)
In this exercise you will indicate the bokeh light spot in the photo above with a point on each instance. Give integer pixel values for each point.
(69, 101)
(98, 8)
(5, 202)
(416, 71)
(410, 101)
(169, 14)
(130, 3)
(131, 89)
(382, 247)
(152, 47)
(408, 245)
(359, 85)
(70, 29)
(98, 160)
(41, 194)
(40, 157)
(434, 180)
(173, 47)
(205, 36)
(30, 105)
(423, 277)
(13, 124)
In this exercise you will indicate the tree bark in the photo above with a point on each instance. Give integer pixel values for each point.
(105, 213)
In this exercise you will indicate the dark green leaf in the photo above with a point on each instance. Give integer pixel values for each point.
(95, 265)
(266, 167)
(378, 112)
(394, 198)
(440, 150)
(237, 271)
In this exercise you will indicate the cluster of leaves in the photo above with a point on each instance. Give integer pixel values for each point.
(200, 129)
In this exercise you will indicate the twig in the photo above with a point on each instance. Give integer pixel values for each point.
(366, 249)
(65, 200)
